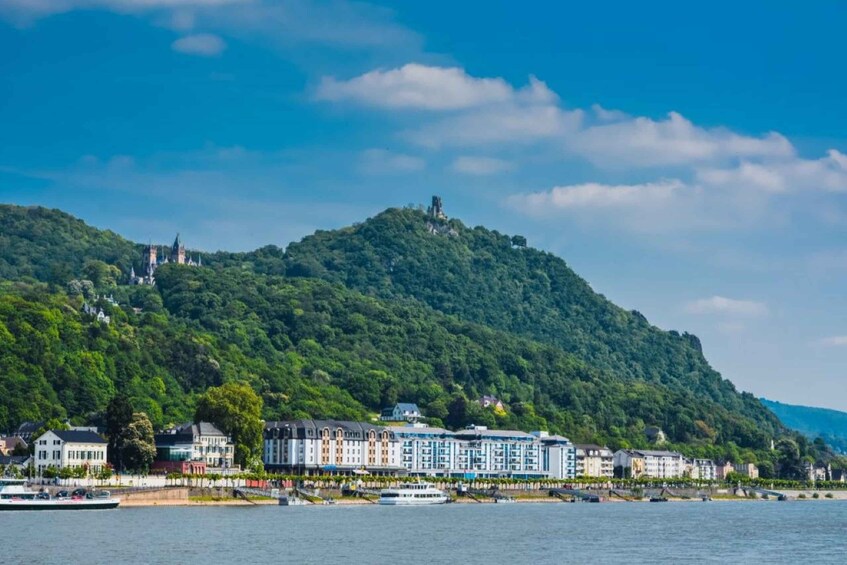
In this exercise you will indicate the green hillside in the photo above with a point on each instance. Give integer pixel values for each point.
(433, 318)
(831, 425)
(481, 276)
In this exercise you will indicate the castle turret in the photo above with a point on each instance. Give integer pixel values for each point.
(436, 210)
(178, 251)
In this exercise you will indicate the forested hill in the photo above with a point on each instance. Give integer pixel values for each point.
(831, 425)
(437, 315)
(490, 278)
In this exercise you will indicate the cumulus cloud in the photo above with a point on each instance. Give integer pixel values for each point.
(417, 86)
(202, 44)
(644, 142)
(728, 306)
(826, 174)
(380, 161)
(480, 166)
(834, 341)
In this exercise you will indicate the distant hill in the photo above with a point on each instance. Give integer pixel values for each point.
(831, 425)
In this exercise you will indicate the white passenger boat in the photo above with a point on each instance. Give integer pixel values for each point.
(15, 496)
(412, 494)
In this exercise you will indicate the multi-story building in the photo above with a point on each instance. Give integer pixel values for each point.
(488, 453)
(193, 449)
(558, 456)
(594, 461)
(328, 447)
(723, 469)
(427, 451)
(637, 463)
(69, 448)
(747, 469)
(703, 469)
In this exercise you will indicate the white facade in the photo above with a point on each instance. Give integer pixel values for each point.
(401, 412)
(328, 446)
(196, 442)
(60, 449)
(558, 456)
(704, 469)
(650, 463)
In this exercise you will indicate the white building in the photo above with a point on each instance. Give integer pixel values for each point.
(401, 412)
(427, 451)
(594, 461)
(59, 449)
(328, 446)
(703, 469)
(637, 463)
(484, 453)
(200, 443)
(558, 456)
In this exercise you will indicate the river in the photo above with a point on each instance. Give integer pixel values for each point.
(773, 532)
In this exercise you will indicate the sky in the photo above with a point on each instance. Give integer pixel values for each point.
(689, 162)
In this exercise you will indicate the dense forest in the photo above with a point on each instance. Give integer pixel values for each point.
(346, 322)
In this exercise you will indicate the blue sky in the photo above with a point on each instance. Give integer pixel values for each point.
(690, 163)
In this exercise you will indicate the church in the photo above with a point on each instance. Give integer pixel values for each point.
(152, 258)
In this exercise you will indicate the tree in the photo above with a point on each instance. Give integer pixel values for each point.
(118, 418)
(139, 447)
(236, 409)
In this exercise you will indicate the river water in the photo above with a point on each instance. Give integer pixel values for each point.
(739, 532)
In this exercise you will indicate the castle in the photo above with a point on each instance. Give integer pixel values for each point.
(152, 259)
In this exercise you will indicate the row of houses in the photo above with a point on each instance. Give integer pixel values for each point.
(311, 447)
(189, 449)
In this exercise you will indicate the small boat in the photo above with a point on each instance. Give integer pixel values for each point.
(413, 494)
(292, 501)
(658, 499)
(504, 500)
(15, 496)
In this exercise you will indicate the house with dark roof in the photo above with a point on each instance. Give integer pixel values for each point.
(487, 401)
(10, 443)
(69, 448)
(193, 449)
(26, 429)
(331, 447)
(401, 412)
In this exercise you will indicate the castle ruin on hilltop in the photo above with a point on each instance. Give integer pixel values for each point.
(152, 258)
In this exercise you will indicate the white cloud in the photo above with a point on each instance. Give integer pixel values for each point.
(203, 44)
(827, 174)
(380, 161)
(643, 142)
(595, 195)
(418, 87)
(727, 306)
(480, 166)
(834, 341)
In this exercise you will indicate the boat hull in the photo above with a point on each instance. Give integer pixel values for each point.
(88, 504)
(412, 501)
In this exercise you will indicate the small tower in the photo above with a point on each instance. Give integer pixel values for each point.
(436, 210)
(150, 254)
(178, 251)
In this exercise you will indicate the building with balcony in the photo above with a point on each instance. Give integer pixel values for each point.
(638, 463)
(317, 447)
(194, 449)
(401, 412)
(558, 456)
(594, 461)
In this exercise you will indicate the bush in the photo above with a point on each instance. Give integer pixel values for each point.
(828, 495)
(816, 495)
(801, 495)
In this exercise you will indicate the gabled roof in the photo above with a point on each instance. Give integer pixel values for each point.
(76, 436)
(13, 459)
(29, 427)
(407, 407)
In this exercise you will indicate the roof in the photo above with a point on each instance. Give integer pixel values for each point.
(186, 433)
(515, 434)
(13, 459)
(656, 453)
(407, 406)
(76, 436)
(29, 427)
(311, 428)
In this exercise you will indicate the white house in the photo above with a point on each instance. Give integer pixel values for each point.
(401, 412)
(196, 443)
(72, 448)
(704, 469)
(330, 446)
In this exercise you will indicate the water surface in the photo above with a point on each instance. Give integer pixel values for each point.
(773, 532)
